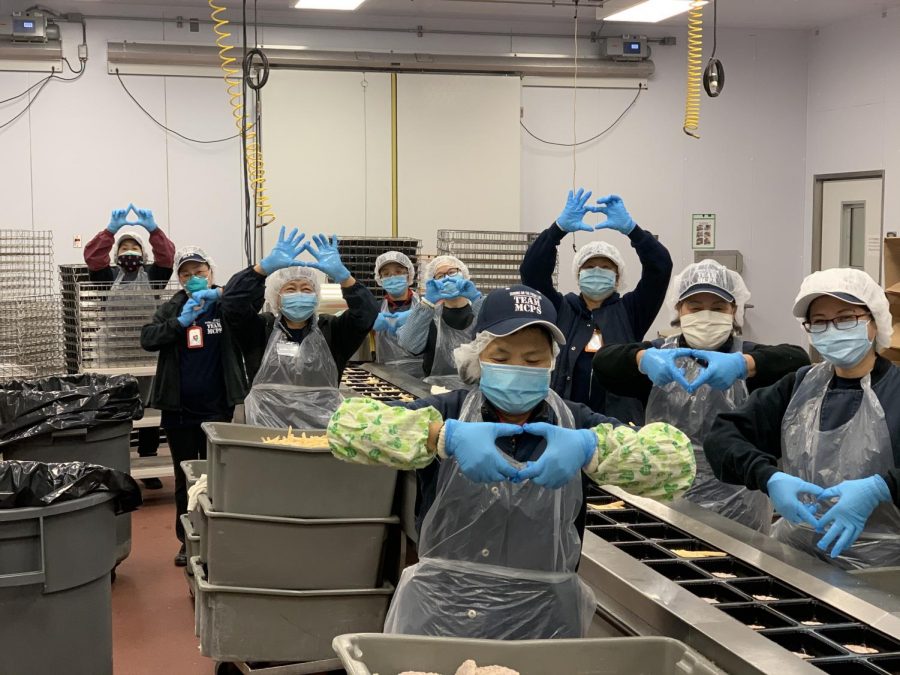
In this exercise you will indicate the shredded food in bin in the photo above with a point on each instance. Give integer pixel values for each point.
(301, 441)
(861, 649)
(685, 553)
(471, 668)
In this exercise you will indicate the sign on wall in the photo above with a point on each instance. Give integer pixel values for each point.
(703, 231)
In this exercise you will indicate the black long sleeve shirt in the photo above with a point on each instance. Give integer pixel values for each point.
(744, 445)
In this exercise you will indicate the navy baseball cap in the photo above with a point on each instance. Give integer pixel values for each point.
(696, 289)
(510, 309)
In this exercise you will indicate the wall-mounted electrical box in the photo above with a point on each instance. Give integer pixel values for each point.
(625, 48)
(29, 27)
(733, 260)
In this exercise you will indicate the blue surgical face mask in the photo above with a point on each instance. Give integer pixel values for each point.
(843, 348)
(195, 284)
(397, 285)
(299, 306)
(514, 389)
(597, 283)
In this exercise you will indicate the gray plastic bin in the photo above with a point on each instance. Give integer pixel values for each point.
(193, 469)
(108, 445)
(291, 553)
(55, 564)
(246, 475)
(254, 624)
(392, 654)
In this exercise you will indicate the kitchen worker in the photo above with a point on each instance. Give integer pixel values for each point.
(443, 320)
(500, 472)
(598, 314)
(200, 372)
(394, 272)
(121, 257)
(688, 379)
(834, 427)
(304, 352)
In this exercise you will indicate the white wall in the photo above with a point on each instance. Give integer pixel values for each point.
(854, 108)
(85, 149)
(747, 167)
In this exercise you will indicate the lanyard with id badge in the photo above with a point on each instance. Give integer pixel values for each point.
(195, 337)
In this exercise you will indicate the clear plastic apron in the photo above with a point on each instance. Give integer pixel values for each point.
(858, 449)
(497, 561)
(297, 384)
(443, 368)
(129, 305)
(694, 414)
(389, 352)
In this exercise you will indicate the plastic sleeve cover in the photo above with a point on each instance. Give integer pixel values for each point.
(655, 461)
(366, 431)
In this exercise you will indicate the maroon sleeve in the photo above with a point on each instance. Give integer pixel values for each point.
(163, 249)
(96, 253)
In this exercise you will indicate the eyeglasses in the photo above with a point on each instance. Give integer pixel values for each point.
(452, 272)
(841, 323)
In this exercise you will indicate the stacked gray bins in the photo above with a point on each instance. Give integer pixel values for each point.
(107, 445)
(371, 654)
(293, 544)
(55, 563)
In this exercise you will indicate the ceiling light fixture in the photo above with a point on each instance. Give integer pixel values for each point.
(651, 11)
(342, 5)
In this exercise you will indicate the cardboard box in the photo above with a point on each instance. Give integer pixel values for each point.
(892, 261)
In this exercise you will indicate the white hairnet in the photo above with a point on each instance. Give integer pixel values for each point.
(468, 356)
(598, 249)
(276, 281)
(850, 282)
(710, 273)
(397, 257)
(114, 252)
(451, 260)
(187, 252)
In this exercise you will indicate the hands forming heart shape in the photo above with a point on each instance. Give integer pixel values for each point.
(720, 371)
(119, 219)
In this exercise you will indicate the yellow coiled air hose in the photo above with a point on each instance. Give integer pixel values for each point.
(694, 70)
(232, 72)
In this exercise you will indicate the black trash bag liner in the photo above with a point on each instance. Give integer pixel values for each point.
(33, 407)
(26, 483)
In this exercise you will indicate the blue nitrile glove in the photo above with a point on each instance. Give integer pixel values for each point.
(568, 452)
(577, 207)
(451, 287)
(400, 319)
(617, 216)
(328, 260)
(468, 290)
(207, 297)
(286, 249)
(474, 444)
(144, 218)
(118, 220)
(433, 291)
(785, 491)
(856, 501)
(189, 312)
(659, 366)
(383, 322)
(721, 371)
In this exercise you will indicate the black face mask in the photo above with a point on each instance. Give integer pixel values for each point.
(130, 263)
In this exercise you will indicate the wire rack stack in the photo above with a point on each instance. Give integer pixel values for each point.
(30, 312)
(103, 321)
(493, 258)
(359, 255)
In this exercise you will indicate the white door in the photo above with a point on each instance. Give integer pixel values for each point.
(851, 225)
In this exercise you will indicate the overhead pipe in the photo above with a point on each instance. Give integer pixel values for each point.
(133, 53)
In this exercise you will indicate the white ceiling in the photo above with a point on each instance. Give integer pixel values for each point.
(744, 14)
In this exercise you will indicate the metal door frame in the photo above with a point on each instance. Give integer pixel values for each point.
(818, 193)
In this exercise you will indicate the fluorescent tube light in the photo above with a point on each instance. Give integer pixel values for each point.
(344, 5)
(651, 11)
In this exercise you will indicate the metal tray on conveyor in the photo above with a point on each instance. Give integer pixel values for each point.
(824, 634)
